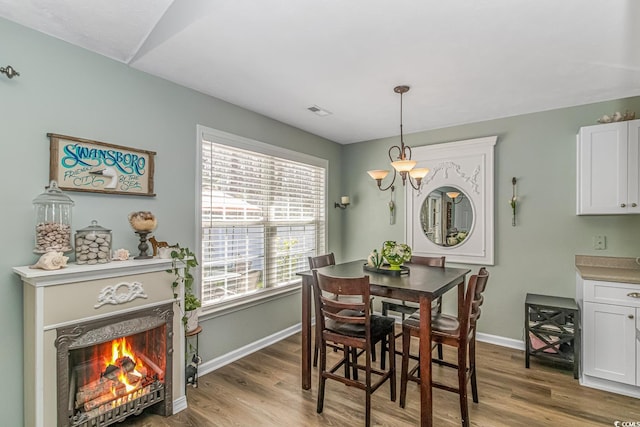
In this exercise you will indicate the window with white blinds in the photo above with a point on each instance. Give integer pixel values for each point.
(263, 214)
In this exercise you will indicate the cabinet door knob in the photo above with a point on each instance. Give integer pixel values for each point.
(622, 205)
(634, 295)
(633, 205)
(631, 316)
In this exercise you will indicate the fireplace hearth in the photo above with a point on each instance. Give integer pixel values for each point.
(102, 343)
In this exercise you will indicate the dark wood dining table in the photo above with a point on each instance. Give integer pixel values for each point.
(423, 284)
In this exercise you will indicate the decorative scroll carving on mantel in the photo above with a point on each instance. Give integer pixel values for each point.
(444, 168)
(115, 295)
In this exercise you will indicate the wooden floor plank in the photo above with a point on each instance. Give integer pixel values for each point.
(263, 389)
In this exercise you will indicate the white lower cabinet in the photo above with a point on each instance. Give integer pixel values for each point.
(610, 331)
(610, 342)
(637, 348)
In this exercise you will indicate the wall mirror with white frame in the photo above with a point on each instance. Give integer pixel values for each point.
(452, 213)
(446, 216)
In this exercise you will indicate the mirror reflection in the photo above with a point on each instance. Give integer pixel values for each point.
(446, 216)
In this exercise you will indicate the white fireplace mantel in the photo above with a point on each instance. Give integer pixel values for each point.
(81, 293)
(80, 273)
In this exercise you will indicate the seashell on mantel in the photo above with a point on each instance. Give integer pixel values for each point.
(121, 254)
(51, 261)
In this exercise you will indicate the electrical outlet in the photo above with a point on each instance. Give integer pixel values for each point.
(599, 242)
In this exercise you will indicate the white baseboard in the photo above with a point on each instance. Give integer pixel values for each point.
(241, 352)
(610, 386)
(180, 404)
(501, 341)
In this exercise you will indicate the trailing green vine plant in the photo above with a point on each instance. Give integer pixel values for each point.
(183, 261)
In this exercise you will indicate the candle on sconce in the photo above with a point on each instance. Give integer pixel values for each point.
(344, 202)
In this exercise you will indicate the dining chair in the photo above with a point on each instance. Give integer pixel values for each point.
(318, 262)
(408, 309)
(349, 323)
(314, 263)
(459, 332)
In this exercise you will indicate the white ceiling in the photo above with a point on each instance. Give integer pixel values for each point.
(465, 60)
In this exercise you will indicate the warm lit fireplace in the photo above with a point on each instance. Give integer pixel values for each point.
(102, 343)
(111, 369)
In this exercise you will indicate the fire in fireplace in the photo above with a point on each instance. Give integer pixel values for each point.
(107, 375)
(113, 368)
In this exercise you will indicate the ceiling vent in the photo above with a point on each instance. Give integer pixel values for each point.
(319, 111)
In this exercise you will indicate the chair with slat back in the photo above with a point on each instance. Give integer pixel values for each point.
(349, 323)
(322, 260)
(459, 332)
(407, 309)
(314, 263)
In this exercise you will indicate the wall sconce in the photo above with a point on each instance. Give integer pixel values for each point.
(9, 71)
(513, 202)
(344, 202)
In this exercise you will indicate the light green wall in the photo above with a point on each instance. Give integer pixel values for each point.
(67, 90)
(538, 254)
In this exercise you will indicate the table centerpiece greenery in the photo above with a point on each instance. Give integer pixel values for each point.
(396, 254)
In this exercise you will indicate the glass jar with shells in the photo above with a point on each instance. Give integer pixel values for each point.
(93, 244)
(53, 220)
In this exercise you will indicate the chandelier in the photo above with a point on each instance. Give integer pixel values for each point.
(402, 164)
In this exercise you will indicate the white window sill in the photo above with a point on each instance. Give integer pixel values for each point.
(224, 308)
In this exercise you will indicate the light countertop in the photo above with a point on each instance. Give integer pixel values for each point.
(609, 269)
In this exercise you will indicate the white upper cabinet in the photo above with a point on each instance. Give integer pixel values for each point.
(608, 158)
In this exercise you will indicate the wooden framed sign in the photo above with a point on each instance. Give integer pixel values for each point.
(79, 164)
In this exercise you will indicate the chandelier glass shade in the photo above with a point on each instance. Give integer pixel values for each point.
(455, 196)
(452, 194)
(401, 163)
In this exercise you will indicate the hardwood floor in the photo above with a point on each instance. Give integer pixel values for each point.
(263, 389)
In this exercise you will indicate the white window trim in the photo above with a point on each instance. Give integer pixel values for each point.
(236, 141)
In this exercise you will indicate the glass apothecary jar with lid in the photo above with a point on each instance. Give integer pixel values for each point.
(53, 220)
(93, 244)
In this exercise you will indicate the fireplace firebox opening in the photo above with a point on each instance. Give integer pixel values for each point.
(113, 368)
